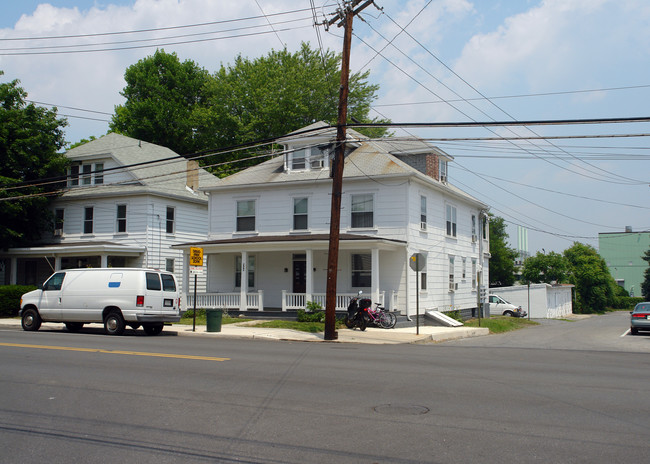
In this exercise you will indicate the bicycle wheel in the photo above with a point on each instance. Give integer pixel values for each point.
(384, 320)
(392, 320)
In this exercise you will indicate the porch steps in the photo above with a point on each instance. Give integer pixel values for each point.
(442, 319)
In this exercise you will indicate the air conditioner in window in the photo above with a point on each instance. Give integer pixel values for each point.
(443, 178)
(58, 232)
(317, 163)
(474, 238)
(452, 287)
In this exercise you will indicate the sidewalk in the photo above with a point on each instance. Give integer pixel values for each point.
(244, 330)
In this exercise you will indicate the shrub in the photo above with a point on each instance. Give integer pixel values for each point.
(315, 316)
(10, 298)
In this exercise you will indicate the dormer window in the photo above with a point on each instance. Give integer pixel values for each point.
(85, 174)
(308, 158)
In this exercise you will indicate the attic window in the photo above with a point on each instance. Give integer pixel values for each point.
(308, 158)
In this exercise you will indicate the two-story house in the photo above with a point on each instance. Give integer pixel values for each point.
(125, 204)
(269, 228)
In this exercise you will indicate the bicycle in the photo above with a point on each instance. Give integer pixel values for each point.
(381, 317)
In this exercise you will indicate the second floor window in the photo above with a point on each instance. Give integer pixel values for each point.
(88, 220)
(85, 174)
(423, 212)
(58, 221)
(298, 159)
(245, 215)
(300, 213)
(121, 219)
(170, 221)
(362, 211)
(451, 221)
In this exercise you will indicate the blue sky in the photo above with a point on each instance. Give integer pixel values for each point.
(534, 60)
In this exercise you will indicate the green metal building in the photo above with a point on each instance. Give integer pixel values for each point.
(623, 251)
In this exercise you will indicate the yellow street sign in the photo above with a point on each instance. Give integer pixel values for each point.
(196, 256)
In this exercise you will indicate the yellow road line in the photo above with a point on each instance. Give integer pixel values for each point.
(131, 353)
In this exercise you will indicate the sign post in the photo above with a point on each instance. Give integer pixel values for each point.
(196, 261)
(418, 262)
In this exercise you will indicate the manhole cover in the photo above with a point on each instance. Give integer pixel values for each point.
(401, 409)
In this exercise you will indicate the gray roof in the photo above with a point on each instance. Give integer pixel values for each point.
(371, 159)
(160, 172)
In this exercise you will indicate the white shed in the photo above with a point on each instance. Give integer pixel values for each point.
(546, 301)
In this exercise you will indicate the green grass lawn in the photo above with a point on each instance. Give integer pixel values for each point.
(500, 324)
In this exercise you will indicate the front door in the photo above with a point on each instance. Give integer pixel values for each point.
(299, 276)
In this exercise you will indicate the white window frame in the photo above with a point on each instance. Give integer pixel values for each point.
(361, 274)
(87, 221)
(451, 215)
(452, 284)
(170, 219)
(59, 221)
(299, 215)
(362, 210)
(120, 219)
(443, 170)
(250, 268)
(99, 173)
(423, 212)
(474, 272)
(245, 218)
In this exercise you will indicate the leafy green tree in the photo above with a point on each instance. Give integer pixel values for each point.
(502, 262)
(546, 268)
(594, 285)
(645, 285)
(161, 94)
(30, 138)
(273, 95)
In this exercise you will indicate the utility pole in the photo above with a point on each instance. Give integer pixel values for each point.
(344, 18)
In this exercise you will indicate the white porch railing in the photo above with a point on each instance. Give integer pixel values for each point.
(226, 300)
(293, 301)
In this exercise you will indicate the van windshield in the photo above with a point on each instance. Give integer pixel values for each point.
(169, 284)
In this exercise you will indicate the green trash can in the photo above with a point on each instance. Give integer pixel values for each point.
(213, 320)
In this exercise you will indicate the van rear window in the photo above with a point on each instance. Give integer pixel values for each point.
(169, 284)
(153, 281)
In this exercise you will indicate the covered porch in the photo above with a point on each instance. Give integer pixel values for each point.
(32, 265)
(284, 273)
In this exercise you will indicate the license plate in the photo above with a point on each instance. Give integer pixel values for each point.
(648, 316)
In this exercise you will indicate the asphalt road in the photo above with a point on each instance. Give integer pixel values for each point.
(561, 392)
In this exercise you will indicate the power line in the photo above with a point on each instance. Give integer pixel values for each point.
(155, 29)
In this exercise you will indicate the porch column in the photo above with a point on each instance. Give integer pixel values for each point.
(374, 276)
(309, 280)
(185, 285)
(103, 261)
(243, 281)
(57, 263)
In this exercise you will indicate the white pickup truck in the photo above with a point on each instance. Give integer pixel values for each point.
(500, 307)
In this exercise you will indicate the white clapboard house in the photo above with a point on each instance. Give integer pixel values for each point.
(268, 232)
(125, 204)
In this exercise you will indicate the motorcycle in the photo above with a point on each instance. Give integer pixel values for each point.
(357, 309)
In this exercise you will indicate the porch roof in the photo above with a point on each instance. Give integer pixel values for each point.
(76, 249)
(290, 242)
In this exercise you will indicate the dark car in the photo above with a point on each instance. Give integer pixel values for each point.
(640, 318)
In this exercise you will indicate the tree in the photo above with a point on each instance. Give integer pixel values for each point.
(645, 285)
(273, 95)
(594, 285)
(502, 261)
(30, 138)
(547, 268)
(161, 95)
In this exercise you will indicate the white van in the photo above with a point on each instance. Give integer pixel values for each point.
(115, 297)
(500, 307)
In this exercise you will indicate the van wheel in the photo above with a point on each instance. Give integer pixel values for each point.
(114, 323)
(509, 313)
(31, 320)
(74, 326)
(153, 329)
